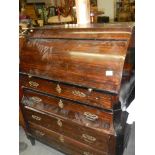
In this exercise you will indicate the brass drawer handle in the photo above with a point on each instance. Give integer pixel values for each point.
(88, 138)
(59, 122)
(33, 84)
(58, 88)
(78, 93)
(87, 153)
(39, 133)
(61, 105)
(90, 116)
(61, 138)
(36, 99)
(36, 117)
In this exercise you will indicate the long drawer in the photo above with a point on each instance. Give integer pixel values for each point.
(95, 138)
(84, 95)
(82, 114)
(62, 143)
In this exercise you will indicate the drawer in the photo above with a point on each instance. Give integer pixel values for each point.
(84, 95)
(82, 114)
(86, 135)
(62, 143)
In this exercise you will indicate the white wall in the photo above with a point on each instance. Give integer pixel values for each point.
(108, 7)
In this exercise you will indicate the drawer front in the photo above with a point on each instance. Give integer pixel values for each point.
(94, 138)
(87, 96)
(82, 114)
(62, 143)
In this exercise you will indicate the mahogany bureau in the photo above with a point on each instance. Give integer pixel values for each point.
(75, 83)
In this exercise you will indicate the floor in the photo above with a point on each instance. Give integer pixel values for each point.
(37, 149)
(25, 147)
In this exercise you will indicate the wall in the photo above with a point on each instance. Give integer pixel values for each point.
(107, 6)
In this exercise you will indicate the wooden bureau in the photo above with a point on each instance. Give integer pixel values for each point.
(74, 83)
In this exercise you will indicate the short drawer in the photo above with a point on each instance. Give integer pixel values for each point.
(95, 138)
(84, 95)
(61, 142)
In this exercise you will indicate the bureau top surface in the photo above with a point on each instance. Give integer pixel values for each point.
(122, 25)
(92, 56)
(121, 30)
